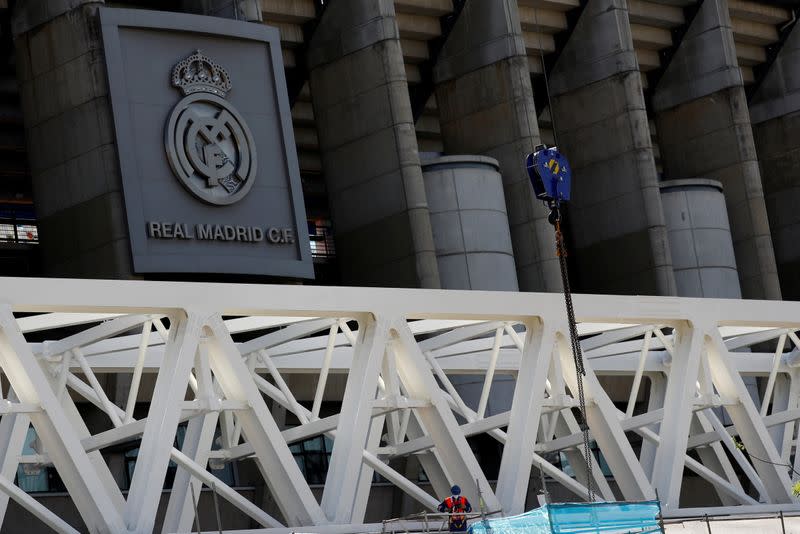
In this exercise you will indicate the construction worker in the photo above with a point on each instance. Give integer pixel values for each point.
(457, 505)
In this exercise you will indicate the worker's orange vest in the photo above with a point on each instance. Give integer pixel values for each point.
(456, 506)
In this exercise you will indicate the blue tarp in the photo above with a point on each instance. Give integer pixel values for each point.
(577, 518)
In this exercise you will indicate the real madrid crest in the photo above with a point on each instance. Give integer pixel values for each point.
(209, 146)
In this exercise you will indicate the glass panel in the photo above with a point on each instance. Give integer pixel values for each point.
(27, 232)
(130, 463)
(31, 477)
(314, 444)
(565, 465)
(320, 234)
(225, 474)
(7, 232)
(300, 463)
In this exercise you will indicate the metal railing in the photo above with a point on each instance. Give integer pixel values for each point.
(427, 517)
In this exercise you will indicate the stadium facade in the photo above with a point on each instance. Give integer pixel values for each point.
(380, 143)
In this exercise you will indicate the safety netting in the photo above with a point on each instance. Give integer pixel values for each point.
(577, 518)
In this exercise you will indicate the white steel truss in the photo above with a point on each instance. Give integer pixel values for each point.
(669, 388)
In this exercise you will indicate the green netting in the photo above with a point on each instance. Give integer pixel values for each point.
(578, 518)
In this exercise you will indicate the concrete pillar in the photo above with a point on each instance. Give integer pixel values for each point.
(485, 100)
(71, 147)
(775, 114)
(700, 239)
(704, 130)
(615, 219)
(249, 10)
(369, 147)
(470, 224)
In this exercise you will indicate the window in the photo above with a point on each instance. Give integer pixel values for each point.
(313, 456)
(563, 462)
(225, 471)
(18, 224)
(320, 234)
(34, 478)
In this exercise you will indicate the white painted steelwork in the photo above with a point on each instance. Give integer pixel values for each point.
(398, 400)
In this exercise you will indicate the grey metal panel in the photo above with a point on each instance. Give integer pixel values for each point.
(142, 47)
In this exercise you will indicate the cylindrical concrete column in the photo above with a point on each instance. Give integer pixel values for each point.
(470, 223)
(486, 106)
(700, 239)
(704, 129)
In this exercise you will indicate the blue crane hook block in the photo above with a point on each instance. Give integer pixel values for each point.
(550, 174)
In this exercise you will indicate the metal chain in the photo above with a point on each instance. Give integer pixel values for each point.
(577, 354)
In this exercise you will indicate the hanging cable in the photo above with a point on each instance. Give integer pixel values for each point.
(577, 354)
(544, 73)
(552, 171)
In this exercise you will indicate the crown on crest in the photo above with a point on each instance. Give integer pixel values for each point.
(200, 74)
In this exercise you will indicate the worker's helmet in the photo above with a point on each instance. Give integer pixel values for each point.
(455, 490)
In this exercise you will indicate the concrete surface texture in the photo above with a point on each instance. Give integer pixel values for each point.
(775, 112)
(486, 107)
(700, 239)
(248, 10)
(470, 225)
(369, 149)
(616, 221)
(779, 158)
(73, 154)
(705, 61)
(779, 92)
(707, 132)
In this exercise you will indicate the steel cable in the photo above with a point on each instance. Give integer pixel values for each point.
(577, 354)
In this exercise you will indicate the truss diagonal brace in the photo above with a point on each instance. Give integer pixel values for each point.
(53, 427)
(273, 457)
(526, 412)
(355, 420)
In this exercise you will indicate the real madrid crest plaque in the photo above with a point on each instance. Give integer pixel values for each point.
(209, 145)
(206, 149)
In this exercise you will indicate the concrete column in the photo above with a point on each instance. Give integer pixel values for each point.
(485, 100)
(615, 219)
(369, 147)
(704, 130)
(775, 114)
(71, 147)
(700, 239)
(248, 10)
(470, 224)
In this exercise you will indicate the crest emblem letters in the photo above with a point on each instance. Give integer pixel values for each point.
(209, 146)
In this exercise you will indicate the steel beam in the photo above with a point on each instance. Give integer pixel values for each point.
(680, 393)
(273, 457)
(97, 508)
(515, 465)
(342, 484)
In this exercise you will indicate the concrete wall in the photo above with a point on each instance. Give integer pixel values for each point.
(700, 239)
(486, 107)
(615, 218)
(778, 145)
(71, 148)
(775, 113)
(249, 10)
(704, 130)
(470, 224)
(369, 147)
